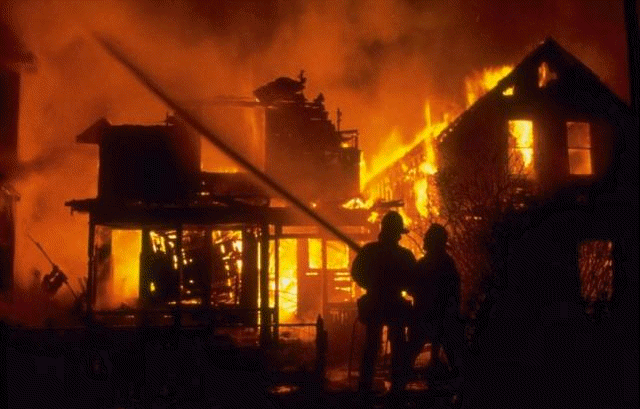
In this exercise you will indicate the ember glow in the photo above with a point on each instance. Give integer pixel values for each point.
(595, 260)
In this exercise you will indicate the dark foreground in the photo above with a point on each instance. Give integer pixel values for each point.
(165, 368)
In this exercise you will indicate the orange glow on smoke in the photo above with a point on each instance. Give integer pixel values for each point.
(481, 82)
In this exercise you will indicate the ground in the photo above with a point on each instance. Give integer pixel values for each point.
(165, 369)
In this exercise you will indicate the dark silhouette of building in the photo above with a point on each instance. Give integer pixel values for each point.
(13, 60)
(304, 150)
(548, 124)
(561, 325)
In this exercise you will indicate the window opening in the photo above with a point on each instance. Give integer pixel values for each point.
(521, 148)
(579, 145)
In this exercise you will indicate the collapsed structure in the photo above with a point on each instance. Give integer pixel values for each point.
(216, 243)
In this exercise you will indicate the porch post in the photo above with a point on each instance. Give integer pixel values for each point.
(276, 303)
(265, 316)
(178, 314)
(325, 280)
(91, 282)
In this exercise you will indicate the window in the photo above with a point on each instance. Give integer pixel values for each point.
(595, 262)
(287, 278)
(545, 75)
(337, 255)
(508, 91)
(125, 253)
(579, 144)
(315, 254)
(521, 148)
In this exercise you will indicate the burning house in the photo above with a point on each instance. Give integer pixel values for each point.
(548, 124)
(165, 235)
(542, 166)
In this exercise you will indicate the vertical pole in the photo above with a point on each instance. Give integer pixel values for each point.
(178, 315)
(206, 295)
(633, 43)
(250, 276)
(265, 316)
(4, 340)
(321, 352)
(276, 304)
(145, 269)
(91, 283)
(325, 280)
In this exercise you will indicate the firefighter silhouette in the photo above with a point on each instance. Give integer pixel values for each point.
(436, 292)
(383, 268)
(52, 282)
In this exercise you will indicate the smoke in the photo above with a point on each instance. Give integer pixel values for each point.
(378, 61)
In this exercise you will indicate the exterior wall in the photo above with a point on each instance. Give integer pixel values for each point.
(9, 113)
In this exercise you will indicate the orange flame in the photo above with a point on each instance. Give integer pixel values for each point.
(481, 82)
(125, 245)
(288, 280)
(521, 147)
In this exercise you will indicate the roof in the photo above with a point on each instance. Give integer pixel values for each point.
(93, 134)
(210, 212)
(551, 51)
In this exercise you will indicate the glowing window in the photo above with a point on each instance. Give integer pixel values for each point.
(315, 253)
(595, 263)
(579, 144)
(288, 277)
(337, 255)
(508, 91)
(545, 75)
(521, 148)
(125, 250)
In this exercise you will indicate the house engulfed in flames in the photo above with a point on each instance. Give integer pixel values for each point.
(164, 235)
(547, 125)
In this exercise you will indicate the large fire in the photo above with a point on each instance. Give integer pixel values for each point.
(480, 82)
(521, 147)
(476, 85)
(125, 245)
(288, 280)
